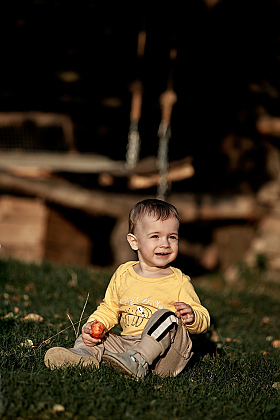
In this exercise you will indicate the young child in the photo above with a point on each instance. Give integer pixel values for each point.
(156, 304)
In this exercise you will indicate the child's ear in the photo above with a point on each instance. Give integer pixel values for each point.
(132, 240)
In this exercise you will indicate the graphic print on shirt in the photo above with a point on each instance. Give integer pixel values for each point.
(135, 315)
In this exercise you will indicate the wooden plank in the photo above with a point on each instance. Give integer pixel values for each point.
(177, 171)
(22, 228)
(15, 161)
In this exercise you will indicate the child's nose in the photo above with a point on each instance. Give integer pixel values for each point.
(165, 242)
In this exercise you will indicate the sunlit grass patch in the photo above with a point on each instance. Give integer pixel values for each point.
(232, 376)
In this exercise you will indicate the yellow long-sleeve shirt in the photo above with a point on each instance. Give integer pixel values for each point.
(134, 299)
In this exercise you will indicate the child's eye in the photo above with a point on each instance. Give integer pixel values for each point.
(154, 236)
(173, 237)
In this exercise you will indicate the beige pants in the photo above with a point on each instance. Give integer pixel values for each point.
(165, 343)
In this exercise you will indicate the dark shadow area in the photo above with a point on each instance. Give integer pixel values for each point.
(67, 59)
(203, 346)
(78, 238)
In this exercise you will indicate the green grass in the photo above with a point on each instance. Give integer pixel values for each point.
(230, 378)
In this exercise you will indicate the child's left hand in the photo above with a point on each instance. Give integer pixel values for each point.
(185, 312)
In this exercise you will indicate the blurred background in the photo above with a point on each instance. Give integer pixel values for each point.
(67, 74)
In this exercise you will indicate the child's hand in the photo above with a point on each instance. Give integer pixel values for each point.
(88, 340)
(185, 312)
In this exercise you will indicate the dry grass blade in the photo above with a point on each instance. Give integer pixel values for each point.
(77, 333)
(72, 325)
(69, 317)
(50, 338)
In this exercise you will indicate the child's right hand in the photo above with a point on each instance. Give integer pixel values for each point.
(88, 340)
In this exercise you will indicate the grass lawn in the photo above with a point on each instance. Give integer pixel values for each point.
(234, 375)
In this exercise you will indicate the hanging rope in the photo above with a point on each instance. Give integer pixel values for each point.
(133, 145)
(164, 134)
(167, 100)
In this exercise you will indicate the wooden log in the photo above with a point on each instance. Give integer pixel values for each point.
(121, 251)
(63, 193)
(98, 203)
(194, 207)
(227, 208)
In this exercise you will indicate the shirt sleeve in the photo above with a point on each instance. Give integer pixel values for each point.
(108, 310)
(202, 317)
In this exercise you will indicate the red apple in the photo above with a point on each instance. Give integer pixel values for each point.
(97, 329)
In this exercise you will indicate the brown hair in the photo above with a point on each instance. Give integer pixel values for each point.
(158, 208)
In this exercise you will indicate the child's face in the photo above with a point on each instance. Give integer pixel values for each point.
(156, 241)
